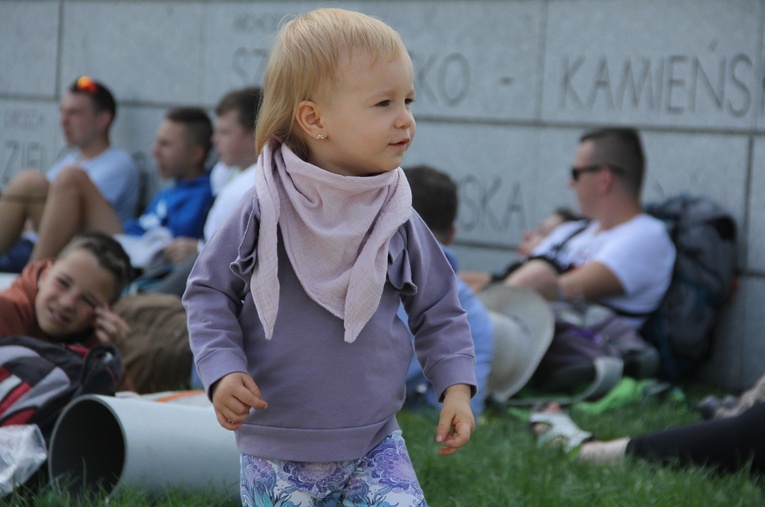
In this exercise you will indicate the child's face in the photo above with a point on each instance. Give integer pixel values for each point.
(69, 293)
(235, 145)
(367, 117)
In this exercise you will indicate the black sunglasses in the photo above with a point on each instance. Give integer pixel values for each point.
(577, 171)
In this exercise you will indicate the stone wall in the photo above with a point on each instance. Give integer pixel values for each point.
(504, 88)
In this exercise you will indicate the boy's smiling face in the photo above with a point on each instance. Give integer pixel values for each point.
(69, 293)
(366, 117)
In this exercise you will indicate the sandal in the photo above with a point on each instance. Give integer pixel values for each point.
(560, 429)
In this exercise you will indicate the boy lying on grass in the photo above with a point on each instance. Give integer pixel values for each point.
(68, 299)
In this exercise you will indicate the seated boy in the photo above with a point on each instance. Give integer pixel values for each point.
(181, 148)
(69, 299)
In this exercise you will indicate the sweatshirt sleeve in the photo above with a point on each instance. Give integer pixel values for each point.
(442, 339)
(214, 295)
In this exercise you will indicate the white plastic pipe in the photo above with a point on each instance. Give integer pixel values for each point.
(111, 443)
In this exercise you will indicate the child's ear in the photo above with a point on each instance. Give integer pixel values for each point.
(308, 116)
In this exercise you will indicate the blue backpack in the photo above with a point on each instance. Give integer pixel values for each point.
(703, 280)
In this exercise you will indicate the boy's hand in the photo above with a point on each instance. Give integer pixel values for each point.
(456, 422)
(233, 396)
(109, 327)
(181, 249)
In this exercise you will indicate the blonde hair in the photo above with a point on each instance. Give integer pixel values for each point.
(305, 59)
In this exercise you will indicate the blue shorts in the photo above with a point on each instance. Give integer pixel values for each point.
(385, 476)
(17, 256)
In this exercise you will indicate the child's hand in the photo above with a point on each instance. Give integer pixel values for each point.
(109, 327)
(233, 396)
(181, 249)
(456, 422)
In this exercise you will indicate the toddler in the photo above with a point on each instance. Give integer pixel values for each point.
(292, 303)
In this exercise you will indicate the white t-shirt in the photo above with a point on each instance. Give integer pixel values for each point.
(220, 175)
(228, 196)
(639, 253)
(114, 173)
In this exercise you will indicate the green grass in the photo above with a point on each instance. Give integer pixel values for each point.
(501, 466)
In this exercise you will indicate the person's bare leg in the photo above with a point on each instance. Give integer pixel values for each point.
(610, 452)
(74, 204)
(21, 200)
(476, 280)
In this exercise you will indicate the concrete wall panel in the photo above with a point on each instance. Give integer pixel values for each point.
(472, 59)
(680, 63)
(144, 51)
(497, 176)
(28, 50)
(736, 361)
(28, 132)
(755, 235)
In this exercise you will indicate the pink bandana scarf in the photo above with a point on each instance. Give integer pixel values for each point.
(336, 231)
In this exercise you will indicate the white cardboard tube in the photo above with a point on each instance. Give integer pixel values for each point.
(110, 443)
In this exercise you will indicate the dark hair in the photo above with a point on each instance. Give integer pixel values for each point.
(621, 149)
(109, 254)
(99, 94)
(246, 101)
(567, 214)
(434, 197)
(199, 129)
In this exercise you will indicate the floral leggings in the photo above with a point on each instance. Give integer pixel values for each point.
(384, 477)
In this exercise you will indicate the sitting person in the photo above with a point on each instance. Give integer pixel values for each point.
(234, 141)
(434, 197)
(620, 256)
(728, 444)
(87, 113)
(69, 298)
(181, 148)
(479, 280)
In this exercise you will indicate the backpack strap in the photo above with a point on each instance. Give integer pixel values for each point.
(626, 313)
(550, 258)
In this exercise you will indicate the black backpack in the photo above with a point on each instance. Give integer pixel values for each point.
(39, 378)
(703, 279)
(592, 348)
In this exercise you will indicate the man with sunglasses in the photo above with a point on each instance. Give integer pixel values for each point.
(87, 112)
(619, 255)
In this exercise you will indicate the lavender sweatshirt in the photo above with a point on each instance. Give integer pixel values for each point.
(328, 400)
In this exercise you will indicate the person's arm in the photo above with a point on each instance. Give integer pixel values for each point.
(441, 331)
(442, 335)
(213, 299)
(591, 282)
